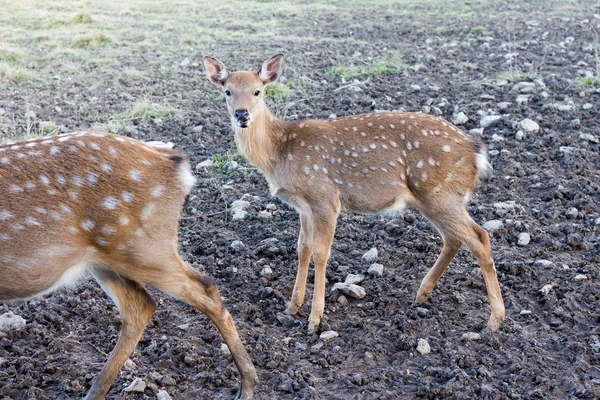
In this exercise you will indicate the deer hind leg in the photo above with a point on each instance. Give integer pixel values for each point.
(324, 229)
(449, 250)
(201, 291)
(305, 240)
(136, 308)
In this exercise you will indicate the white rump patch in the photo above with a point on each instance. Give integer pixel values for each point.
(484, 168)
(161, 145)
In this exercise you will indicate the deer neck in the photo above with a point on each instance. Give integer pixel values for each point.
(260, 142)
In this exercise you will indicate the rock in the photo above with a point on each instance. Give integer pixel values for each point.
(522, 99)
(238, 209)
(342, 300)
(524, 239)
(471, 336)
(580, 277)
(317, 346)
(575, 123)
(504, 105)
(589, 137)
(497, 138)
(370, 255)
(138, 385)
(493, 225)
(586, 106)
(544, 263)
(328, 335)
(476, 132)
(352, 279)
(375, 270)
(529, 126)
(197, 128)
(264, 214)
(163, 395)
(129, 365)
(184, 63)
(524, 87)
(460, 118)
(271, 207)
(10, 321)
(230, 166)
(423, 347)
(267, 272)
(525, 312)
(300, 346)
(204, 164)
(168, 381)
(415, 88)
(350, 290)
(546, 289)
(225, 349)
(572, 213)
(490, 120)
(520, 135)
(237, 245)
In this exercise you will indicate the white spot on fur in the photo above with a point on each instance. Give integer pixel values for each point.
(446, 148)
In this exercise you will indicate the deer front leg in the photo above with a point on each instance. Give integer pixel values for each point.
(324, 229)
(304, 254)
(136, 308)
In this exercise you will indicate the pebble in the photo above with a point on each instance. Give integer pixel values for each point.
(264, 214)
(238, 209)
(375, 270)
(266, 271)
(10, 321)
(471, 336)
(300, 346)
(476, 132)
(460, 118)
(129, 365)
(524, 87)
(572, 213)
(415, 88)
(230, 166)
(370, 255)
(525, 312)
(529, 126)
(575, 123)
(350, 290)
(328, 335)
(332, 116)
(546, 289)
(271, 207)
(204, 164)
(163, 395)
(589, 137)
(225, 349)
(138, 385)
(504, 105)
(544, 263)
(342, 300)
(587, 106)
(197, 129)
(580, 277)
(522, 99)
(352, 279)
(185, 62)
(493, 225)
(497, 138)
(423, 347)
(524, 239)
(490, 120)
(317, 346)
(237, 245)
(520, 135)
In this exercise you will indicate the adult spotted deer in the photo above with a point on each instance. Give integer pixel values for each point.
(110, 205)
(365, 163)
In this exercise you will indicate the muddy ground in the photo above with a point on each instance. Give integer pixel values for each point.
(549, 345)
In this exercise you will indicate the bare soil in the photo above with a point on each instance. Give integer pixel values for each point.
(552, 350)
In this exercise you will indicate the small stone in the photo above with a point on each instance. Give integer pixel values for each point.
(138, 385)
(504, 105)
(237, 245)
(493, 225)
(332, 116)
(572, 213)
(580, 277)
(163, 395)
(267, 272)
(589, 137)
(328, 335)
(476, 132)
(415, 88)
(230, 166)
(350, 290)
(300, 346)
(238, 209)
(271, 207)
(525, 312)
(225, 349)
(520, 135)
(546, 289)
(460, 118)
(587, 106)
(184, 63)
(423, 347)
(375, 270)
(168, 381)
(352, 279)
(522, 99)
(497, 138)
(183, 327)
(529, 126)
(10, 321)
(370, 255)
(490, 120)
(575, 123)
(197, 128)
(471, 336)
(342, 300)
(204, 164)
(544, 263)
(524, 239)
(317, 346)
(129, 365)
(264, 214)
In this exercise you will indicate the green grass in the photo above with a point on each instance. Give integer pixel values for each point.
(479, 30)
(146, 111)
(82, 18)
(277, 91)
(220, 159)
(516, 76)
(14, 74)
(88, 41)
(390, 65)
(590, 82)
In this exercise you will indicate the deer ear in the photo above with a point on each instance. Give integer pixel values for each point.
(271, 69)
(216, 71)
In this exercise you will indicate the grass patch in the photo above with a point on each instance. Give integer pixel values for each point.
(389, 65)
(8, 54)
(277, 91)
(589, 82)
(516, 76)
(221, 160)
(14, 74)
(82, 17)
(146, 111)
(87, 41)
(115, 126)
(478, 30)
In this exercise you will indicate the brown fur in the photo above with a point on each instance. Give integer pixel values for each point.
(365, 163)
(109, 205)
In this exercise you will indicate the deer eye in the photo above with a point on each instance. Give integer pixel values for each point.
(227, 92)
(257, 93)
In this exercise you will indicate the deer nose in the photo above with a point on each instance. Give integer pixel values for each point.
(241, 114)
